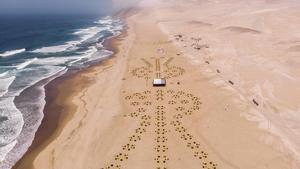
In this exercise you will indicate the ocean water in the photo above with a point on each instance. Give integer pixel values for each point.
(33, 51)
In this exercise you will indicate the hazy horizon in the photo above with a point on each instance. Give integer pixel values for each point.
(89, 7)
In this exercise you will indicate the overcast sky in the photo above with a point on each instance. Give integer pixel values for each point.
(56, 6)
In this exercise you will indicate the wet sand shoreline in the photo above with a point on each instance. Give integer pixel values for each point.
(203, 117)
(58, 110)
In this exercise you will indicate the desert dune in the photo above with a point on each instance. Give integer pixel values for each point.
(232, 98)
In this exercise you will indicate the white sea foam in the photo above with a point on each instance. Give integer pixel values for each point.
(85, 55)
(88, 33)
(4, 84)
(29, 76)
(84, 34)
(25, 64)
(3, 74)
(56, 60)
(100, 55)
(6, 149)
(90, 52)
(59, 48)
(11, 128)
(26, 76)
(105, 21)
(12, 52)
(32, 110)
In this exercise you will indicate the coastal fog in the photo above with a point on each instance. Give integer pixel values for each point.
(78, 7)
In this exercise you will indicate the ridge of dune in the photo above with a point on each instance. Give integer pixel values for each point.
(238, 29)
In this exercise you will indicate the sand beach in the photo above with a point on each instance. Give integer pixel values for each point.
(231, 99)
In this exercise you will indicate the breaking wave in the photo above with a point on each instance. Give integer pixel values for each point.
(21, 119)
(12, 52)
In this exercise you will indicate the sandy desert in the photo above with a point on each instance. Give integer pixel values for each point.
(232, 99)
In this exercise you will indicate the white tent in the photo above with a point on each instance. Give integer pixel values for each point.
(159, 82)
